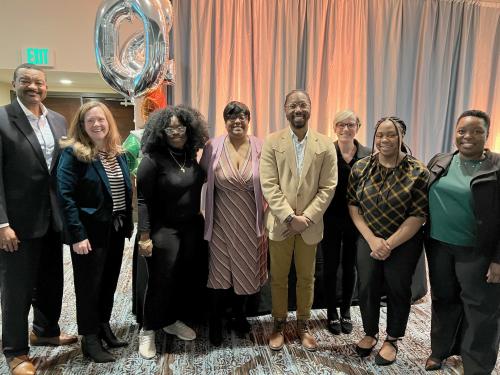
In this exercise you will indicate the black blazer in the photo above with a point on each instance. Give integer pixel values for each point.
(485, 187)
(85, 198)
(28, 199)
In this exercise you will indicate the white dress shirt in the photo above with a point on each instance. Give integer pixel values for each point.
(299, 147)
(42, 130)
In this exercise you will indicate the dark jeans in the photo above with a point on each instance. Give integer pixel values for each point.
(32, 275)
(339, 242)
(96, 276)
(465, 308)
(177, 272)
(394, 276)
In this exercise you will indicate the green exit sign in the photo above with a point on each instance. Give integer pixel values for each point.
(38, 56)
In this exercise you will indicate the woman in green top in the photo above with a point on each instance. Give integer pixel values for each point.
(463, 249)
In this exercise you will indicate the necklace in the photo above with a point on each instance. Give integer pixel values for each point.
(181, 167)
(469, 166)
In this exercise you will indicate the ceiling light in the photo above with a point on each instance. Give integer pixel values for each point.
(66, 81)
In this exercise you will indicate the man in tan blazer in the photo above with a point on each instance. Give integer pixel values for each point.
(298, 174)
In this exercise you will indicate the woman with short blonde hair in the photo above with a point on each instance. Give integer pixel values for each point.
(339, 236)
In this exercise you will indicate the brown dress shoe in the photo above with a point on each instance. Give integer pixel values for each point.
(62, 339)
(21, 365)
(306, 338)
(277, 338)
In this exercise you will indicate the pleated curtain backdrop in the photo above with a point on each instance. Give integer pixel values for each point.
(425, 61)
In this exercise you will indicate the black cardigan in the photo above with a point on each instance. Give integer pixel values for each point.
(485, 187)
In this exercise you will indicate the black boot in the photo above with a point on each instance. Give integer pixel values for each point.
(92, 347)
(107, 335)
(215, 331)
(239, 322)
(215, 320)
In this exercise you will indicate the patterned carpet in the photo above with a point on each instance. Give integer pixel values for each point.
(237, 355)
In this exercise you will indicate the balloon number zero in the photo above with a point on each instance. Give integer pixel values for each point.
(141, 64)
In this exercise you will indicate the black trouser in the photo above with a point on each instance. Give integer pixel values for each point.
(339, 238)
(465, 308)
(32, 275)
(176, 270)
(96, 276)
(392, 276)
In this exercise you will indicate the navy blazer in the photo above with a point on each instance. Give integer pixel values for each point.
(28, 200)
(85, 198)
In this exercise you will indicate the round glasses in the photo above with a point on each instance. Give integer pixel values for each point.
(180, 130)
(232, 120)
(346, 125)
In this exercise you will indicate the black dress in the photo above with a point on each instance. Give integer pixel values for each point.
(169, 194)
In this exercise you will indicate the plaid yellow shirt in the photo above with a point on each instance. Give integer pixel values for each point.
(388, 196)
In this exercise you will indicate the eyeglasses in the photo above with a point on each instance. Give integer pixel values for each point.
(301, 105)
(27, 82)
(232, 120)
(181, 130)
(346, 125)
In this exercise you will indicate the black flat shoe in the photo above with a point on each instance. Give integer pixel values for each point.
(381, 361)
(346, 325)
(334, 326)
(365, 352)
(433, 364)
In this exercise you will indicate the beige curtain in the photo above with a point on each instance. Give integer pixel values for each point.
(423, 60)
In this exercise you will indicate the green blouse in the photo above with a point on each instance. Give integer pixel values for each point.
(451, 197)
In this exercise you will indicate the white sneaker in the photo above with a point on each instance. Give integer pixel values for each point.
(180, 330)
(147, 347)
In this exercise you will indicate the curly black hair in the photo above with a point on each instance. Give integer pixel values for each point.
(154, 138)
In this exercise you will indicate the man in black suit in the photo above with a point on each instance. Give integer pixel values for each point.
(31, 268)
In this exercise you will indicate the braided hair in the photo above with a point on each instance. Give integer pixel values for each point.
(400, 127)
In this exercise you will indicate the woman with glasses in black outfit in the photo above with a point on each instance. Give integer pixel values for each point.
(169, 182)
(339, 237)
(388, 203)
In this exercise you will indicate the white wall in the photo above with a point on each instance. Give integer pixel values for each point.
(4, 93)
(66, 27)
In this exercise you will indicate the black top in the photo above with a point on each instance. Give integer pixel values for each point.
(167, 195)
(338, 207)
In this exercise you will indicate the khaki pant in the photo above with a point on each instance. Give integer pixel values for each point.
(281, 253)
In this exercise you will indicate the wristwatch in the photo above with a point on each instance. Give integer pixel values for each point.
(289, 219)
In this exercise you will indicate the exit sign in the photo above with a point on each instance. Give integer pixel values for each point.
(38, 56)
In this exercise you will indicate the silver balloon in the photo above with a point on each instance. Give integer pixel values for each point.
(132, 55)
(142, 64)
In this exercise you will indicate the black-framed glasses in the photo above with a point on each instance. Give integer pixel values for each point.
(180, 130)
(242, 118)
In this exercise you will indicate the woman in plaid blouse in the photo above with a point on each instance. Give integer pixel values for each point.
(387, 202)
